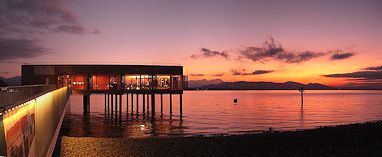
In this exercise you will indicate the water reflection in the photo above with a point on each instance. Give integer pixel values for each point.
(121, 124)
(301, 117)
(212, 112)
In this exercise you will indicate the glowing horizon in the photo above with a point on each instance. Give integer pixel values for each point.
(328, 42)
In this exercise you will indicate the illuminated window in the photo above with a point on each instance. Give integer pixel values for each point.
(78, 82)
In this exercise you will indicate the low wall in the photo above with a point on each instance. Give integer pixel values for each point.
(30, 128)
(11, 95)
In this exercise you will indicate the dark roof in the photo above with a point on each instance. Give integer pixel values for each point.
(109, 69)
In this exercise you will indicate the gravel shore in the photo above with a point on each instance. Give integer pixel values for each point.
(346, 140)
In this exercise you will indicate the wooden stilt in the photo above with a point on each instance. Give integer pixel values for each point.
(108, 102)
(143, 103)
(86, 103)
(170, 104)
(153, 104)
(105, 102)
(148, 102)
(111, 103)
(161, 103)
(127, 102)
(116, 103)
(120, 104)
(137, 103)
(132, 103)
(180, 104)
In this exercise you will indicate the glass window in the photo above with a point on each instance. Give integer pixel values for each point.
(163, 82)
(131, 82)
(100, 82)
(78, 82)
(176, 82)
(145, 82)
(115, 82)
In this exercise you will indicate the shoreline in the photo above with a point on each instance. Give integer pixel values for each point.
(359, 139)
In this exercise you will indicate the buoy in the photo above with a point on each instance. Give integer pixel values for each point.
(235, 101)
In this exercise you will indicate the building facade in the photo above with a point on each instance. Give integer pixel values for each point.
(101, 78)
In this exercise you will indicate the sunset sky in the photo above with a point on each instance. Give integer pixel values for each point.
(331, 42)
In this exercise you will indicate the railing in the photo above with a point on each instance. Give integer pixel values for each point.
(30, 126)
(14, 94)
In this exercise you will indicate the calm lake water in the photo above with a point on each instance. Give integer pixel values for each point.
(213, 112)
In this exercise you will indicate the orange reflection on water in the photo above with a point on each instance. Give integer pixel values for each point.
(214, 112)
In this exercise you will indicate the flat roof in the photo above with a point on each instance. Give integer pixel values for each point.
(104, 63)
(101, 69)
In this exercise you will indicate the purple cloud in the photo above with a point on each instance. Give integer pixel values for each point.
(377, 68)
(256, 72)
(20, 48)
(197, 75)
(275, 51)
(341, 55)
(206, 53)
(218, 75)
(369, 73)
(38, 16)
(22, 22)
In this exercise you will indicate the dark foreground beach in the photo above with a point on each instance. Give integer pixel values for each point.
(346, 140)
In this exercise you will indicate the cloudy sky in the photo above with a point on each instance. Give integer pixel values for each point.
(329, 41)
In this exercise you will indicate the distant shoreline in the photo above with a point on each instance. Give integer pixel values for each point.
(218, 84)
(345, 140)
(276, 89)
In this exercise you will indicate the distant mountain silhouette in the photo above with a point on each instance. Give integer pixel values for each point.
(12, 81)
(2, 83)
(204, 82)
(259, 85)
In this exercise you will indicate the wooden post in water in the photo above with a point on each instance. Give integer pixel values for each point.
(105, 102)
(116, 103)
(301, 90)
(137, 103)
(132, 102)
(161, 103)
(86, 103)
(111, 103)
(153, 103)
(127, 102)
(108, 102)
(170, 104)
(180, 104)
(143, 103)
(120, 104)
(148, 102)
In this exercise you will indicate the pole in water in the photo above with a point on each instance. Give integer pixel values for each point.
(111, 103)
(108, 102)
(148, 103)
(235, 101)
(170, 104)
(301, 90)
(132, 102)
(120, 104)
(137, 103)
(105, 103)
(127, 102)
(180, 104)
(161, 103)
(116, 103)
(143, 104)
